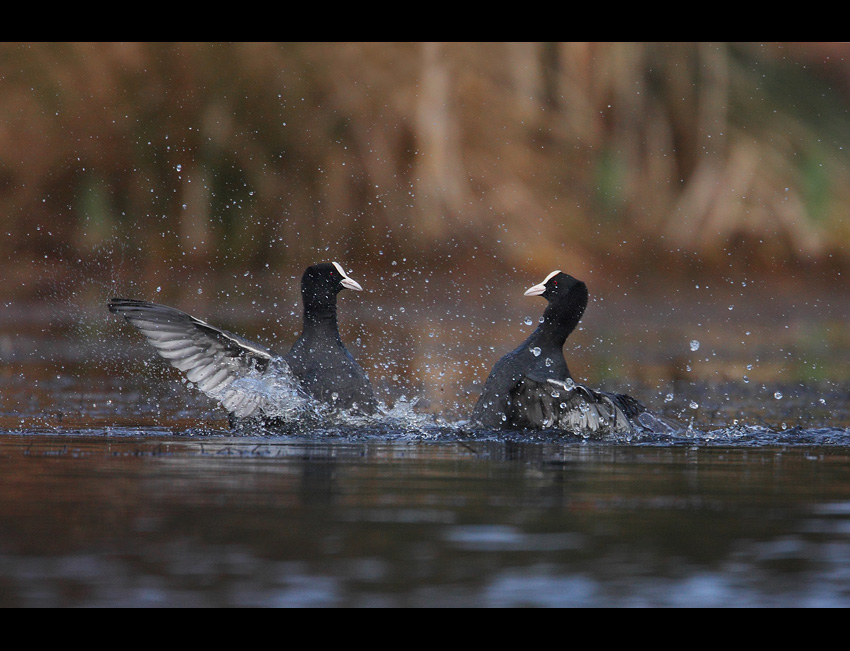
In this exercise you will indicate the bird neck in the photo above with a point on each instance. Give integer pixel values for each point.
(320, 313)
(546, 336)
(559, 320)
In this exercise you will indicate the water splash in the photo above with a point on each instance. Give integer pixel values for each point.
(274, 392)
(274, 402)
(286, 410)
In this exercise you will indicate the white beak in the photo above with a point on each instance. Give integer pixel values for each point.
(536, 290)
(346, 281)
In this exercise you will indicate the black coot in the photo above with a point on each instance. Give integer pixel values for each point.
(214, 359)
(531, 387)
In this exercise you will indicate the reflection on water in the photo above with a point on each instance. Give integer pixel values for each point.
(121, 486)
(146, 517)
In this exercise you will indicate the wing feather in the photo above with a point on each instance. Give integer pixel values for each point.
(549, 403)
(210, 357)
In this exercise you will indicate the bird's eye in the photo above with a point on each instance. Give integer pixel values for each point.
(554, 283)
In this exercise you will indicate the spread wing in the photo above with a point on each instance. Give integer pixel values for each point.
(548, 403)
(210, 357)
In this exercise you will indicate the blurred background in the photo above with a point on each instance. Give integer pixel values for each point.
(700, 189)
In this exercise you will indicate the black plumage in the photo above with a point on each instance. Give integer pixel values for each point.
(531, 387)
(317, 367)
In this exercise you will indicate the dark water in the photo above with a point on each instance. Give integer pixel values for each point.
(146, 517)
(120, 486)
(135, 493)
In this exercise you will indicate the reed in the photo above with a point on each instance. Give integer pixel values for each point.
(256, 156)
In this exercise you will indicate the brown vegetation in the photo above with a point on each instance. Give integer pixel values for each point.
(260, 156)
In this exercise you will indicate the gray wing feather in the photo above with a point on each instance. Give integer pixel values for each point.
(210, 357)
(573, 407)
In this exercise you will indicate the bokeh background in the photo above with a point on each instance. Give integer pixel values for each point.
(700, 189)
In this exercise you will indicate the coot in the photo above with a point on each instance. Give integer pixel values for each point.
(318, 366)
(531, 387)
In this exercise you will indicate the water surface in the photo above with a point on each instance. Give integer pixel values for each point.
(121, 486)
(147, 517)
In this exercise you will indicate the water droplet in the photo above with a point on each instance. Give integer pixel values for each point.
(745, 379)
(535, 351)
(668, 397)
(778, 395)
(693, 405)
(548, 361)
(694, 344)
(528, 320)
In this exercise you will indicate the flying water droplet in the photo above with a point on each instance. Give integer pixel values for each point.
(535, 351)
(694, 345)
